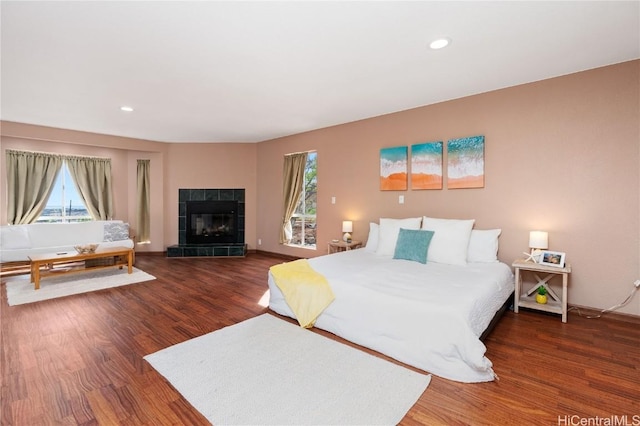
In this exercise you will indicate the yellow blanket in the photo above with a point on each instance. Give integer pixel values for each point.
(307, 292)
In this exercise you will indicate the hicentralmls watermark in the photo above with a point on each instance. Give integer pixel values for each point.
(613, 420)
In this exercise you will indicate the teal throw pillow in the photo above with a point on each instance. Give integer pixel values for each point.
(413, 244)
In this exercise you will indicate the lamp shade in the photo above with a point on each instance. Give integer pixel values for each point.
(347, 226)
(538, 240)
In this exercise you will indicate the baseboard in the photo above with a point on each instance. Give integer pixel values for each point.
(618, 316)
(151, 253)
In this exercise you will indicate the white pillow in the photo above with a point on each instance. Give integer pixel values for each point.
(372, 240)
(15, 237)
(483, 245)
(388, 233)
(116, 231)
(450, 239)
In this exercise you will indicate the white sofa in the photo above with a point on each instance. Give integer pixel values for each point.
(18, 242)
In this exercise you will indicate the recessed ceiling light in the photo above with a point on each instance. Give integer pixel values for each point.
(439, 43)
(126, 108)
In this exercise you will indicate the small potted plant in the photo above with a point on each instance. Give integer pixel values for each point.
(541, 296)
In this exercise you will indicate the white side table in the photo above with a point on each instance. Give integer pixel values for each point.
(556, 304)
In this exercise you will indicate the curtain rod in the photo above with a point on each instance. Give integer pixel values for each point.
(296, 153)
(63, 156)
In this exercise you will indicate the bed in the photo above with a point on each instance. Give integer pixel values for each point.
(431, 314)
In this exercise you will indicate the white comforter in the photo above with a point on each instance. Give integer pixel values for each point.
(428, 316)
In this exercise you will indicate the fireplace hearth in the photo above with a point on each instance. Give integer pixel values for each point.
(210, 223)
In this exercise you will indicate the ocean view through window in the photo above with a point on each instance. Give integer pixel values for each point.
(65, 203)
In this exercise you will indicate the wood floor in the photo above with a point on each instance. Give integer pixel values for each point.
(79, 359)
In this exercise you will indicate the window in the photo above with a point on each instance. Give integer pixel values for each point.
(64, 204)
(303, 220)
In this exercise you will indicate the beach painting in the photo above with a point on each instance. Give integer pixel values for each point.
(426, 165)
(393, 169)
(465, 167)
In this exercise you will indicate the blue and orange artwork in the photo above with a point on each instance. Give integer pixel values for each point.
(393, 168)
(465, 162)
(426, 165)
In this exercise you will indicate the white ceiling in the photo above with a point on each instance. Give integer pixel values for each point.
(252, 71)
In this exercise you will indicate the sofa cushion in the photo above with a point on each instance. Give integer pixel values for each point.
(14, 237)
(62, 234)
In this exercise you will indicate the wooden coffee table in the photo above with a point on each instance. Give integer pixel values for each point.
(43, 265)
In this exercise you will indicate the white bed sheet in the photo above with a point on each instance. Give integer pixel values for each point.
(428, 316)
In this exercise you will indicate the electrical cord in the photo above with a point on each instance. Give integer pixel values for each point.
(611, 309)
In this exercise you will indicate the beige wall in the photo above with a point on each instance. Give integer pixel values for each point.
(561, 155)
(216, 165)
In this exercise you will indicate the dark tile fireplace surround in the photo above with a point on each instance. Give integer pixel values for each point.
(210, 223)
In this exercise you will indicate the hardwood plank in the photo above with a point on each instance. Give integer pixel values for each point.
(79, 359)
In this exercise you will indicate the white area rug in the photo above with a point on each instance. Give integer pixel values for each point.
(20, 290)
(268, 371)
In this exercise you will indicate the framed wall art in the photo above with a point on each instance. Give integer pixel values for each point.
(465, 162)
(426, 165)
(393, 169)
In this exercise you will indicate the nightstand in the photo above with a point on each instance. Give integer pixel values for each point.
(343, 246)
(556, 304)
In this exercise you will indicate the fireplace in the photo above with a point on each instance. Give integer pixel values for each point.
(212, 222)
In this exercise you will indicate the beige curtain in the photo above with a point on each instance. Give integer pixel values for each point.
(144, 202)
(92, 177)
(293, 181)
(30, 179)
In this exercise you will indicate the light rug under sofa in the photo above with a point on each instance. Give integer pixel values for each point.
(20, 290)
(268, 371)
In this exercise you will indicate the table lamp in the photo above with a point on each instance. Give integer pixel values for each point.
(538, 241)
(347, 228)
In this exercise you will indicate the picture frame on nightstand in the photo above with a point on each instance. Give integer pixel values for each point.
(552, 258)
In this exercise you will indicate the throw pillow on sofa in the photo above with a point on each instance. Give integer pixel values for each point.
(116, 231)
